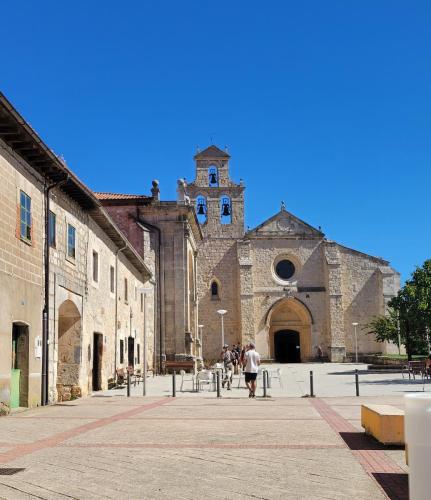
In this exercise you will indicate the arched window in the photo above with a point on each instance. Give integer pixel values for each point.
(225, 210)
(212, 176)
(201, 209)
(215, 290)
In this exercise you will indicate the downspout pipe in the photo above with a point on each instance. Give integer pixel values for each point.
(116, 310)
(147, 226)
(45, 315)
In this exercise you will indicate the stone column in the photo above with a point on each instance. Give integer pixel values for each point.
(246, 292)
(337, 348)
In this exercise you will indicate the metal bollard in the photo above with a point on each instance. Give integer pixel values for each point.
(218, 384)
(128, 383)
(311, 385)
(264, 382)
(174, 385)
(357, 382)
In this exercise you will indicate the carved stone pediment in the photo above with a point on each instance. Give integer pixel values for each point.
(284, 224)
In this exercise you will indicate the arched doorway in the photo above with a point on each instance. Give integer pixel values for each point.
(69, 350)
(287, 346)
(289, 324)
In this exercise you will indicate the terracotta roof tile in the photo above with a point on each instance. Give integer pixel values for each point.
(120, 196)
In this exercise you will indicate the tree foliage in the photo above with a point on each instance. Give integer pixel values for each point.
(409, 313)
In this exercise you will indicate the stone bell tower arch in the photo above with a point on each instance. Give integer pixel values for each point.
(219, 204)
(214, 193)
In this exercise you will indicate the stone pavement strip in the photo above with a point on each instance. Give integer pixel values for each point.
(204, 447)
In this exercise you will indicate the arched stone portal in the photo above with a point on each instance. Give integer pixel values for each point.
(289, 323)
(69, 351)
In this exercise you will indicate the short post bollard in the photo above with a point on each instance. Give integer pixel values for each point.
(128, 383)
(174, 385)
(357, 382)
(418, 441)
(218, 384)
(264, 383)
(311, 384)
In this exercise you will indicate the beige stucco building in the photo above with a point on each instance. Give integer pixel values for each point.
(283, 284)
(69, 279)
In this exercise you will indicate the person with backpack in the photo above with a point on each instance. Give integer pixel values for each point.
(235, 359)
(227, 358)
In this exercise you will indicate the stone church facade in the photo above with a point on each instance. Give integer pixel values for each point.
(283, 284)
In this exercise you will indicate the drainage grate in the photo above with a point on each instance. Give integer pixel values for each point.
(9, 471)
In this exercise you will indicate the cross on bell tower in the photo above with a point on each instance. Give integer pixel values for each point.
(219, 202)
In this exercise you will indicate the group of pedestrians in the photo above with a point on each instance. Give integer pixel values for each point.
(239, 358)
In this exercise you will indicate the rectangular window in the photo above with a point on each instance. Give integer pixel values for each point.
(71, 241)
(112, 278)
(138, 351)
(142, 302)
(126, 290)
(121, 351)
(25, 216)
(95, 266)
(52, 229)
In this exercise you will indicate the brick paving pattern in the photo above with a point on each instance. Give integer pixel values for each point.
(187, 448)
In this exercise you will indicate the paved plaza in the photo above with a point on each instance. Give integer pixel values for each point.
(197, 446)
(330, 380)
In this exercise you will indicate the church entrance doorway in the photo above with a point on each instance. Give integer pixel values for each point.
(289, 331)
(287, 347)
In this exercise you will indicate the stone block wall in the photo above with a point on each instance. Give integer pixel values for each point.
(21, 274)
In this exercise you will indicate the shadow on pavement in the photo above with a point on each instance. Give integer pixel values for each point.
(360, 441)
(396, 486)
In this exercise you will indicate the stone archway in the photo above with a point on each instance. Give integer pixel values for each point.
(69, 351)
(289, 325)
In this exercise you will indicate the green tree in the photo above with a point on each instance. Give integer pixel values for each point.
(410, 312)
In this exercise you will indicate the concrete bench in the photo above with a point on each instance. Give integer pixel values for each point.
(384, 422)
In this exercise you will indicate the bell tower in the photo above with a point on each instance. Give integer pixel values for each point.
(219, 202)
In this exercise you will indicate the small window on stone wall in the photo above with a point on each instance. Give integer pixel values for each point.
(121, 351)
(215, 290)
(126, 291)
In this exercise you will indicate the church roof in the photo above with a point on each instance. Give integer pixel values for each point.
(120, 196)
(212, 152)
(283, 222)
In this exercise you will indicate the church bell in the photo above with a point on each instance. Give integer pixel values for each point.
(213, 178)
(201, 208)
(225, 209)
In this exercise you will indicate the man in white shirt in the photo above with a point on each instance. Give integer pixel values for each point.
(252, 362)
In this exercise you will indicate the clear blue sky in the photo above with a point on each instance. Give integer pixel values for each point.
(325, 105)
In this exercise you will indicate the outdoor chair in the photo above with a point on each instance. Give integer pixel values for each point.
(204, 377)
(275, 375)
(414, 368)
(120, 376)
(187, 377)
(137, 376)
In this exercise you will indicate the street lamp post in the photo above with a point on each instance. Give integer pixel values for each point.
(356, 341)
(222, 312)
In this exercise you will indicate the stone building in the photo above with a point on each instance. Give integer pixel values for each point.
(172, 235)
(75, 295)
(283, 284)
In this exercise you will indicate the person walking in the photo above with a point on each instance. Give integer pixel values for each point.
(227, 359)
(252, 362)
